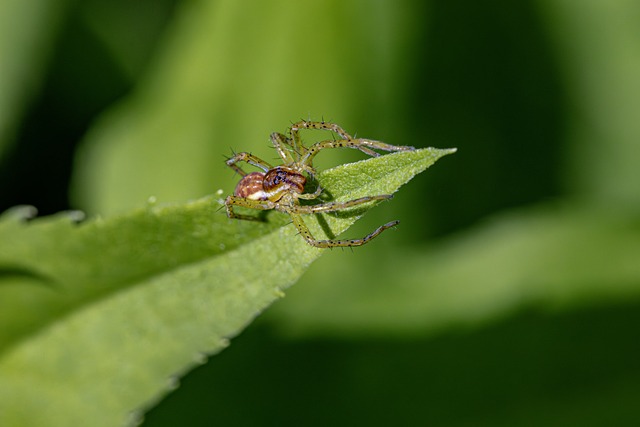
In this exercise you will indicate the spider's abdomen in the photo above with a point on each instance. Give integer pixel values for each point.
(280, 180)
(250, 187)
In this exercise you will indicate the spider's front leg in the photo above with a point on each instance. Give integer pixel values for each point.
(322, 125)
(280, 143)
(263, 205)
(367, 146)
(248, 158)
(303, 124)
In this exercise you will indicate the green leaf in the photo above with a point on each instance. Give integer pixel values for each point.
(100, 318)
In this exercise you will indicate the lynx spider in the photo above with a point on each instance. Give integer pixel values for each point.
(281, 187)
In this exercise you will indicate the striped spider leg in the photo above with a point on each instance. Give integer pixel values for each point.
(292, 151)
(281, 187)
(367, 146)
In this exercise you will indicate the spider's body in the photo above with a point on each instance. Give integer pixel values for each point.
(251, 187)
(281, 187)
(272, 185)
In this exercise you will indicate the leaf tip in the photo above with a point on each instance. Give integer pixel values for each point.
(446, 151)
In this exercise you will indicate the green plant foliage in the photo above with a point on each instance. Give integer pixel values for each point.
(533, 368)
(507, 295)
(203, 96)
(598, 50)
(100, 317)
(26, 30)
(550, 257)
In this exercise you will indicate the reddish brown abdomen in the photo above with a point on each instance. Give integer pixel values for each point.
(250, 187)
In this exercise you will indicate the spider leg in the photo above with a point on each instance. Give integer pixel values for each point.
(248, 158)
(280, 142)
(311, 196)
(231, 201)
(306, 234)
(365, 145)
(337, 206)
(312, 173)
(295, 129)
(304, 124)
(307, 124)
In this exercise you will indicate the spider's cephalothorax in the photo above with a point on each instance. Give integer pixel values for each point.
(281, 180)
(281, 187)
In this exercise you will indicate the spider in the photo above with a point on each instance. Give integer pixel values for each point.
(281, 187)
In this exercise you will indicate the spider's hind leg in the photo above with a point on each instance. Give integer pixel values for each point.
(308, 237)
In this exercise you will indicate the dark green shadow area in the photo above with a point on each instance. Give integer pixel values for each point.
(579, 368)
(486, 79)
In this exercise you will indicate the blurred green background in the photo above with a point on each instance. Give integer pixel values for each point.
(509, 294)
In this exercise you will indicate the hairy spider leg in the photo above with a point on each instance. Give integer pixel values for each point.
(248, 158)
(311, 196)
(295, 132)
(308, 237)
(364, 145)
(263, 205)
(280, 142)
(337, 206)
(303, 124)
(295, 210)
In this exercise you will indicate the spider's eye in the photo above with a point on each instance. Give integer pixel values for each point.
(282, 180)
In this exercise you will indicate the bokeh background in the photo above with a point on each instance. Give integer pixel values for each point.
(509, 294)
